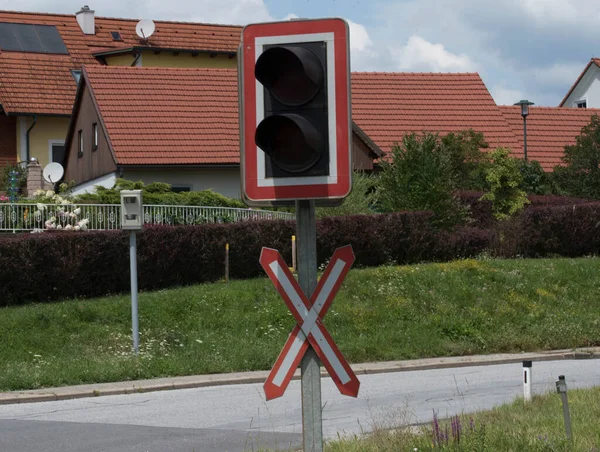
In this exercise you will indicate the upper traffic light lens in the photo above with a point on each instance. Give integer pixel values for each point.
(293, 74)
(291, 141)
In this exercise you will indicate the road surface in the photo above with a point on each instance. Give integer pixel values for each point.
(237, 418)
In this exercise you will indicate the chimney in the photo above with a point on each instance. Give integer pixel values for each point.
(85, 19)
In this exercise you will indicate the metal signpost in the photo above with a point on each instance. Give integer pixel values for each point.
(132, 221)
(295, 133)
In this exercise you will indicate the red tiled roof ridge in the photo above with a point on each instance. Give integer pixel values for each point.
(125, 19)
(102, 68)
(561, 110)
(414, 73)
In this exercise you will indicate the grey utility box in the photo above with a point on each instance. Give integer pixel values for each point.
(132, 215)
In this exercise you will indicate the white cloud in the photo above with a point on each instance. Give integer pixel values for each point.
(558, 74)
(506, 96)
(362, 51)
(421, 55)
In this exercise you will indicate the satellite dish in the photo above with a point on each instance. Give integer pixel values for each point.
(145, 28)
(53, 172)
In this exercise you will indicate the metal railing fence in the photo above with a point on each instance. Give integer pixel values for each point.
(28, 217)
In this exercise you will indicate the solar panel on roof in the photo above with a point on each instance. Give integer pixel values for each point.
(31, 38)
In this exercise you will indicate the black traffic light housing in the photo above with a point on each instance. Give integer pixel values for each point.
(294, 133)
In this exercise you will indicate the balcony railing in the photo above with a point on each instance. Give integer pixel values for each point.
(28, 217)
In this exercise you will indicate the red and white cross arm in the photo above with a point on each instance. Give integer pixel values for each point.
(309, 328)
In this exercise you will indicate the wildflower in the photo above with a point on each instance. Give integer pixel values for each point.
(83, 222)
(50, 194)
(41, 207)
(76, 228)
(72, 215)
(77, 211)
(37, 231)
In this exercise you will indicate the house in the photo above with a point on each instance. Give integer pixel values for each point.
(549, 130)
(172, 125)
(585, 92)
(41, 56)
(389, 105)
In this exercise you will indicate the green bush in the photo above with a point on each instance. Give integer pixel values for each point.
(581, 175)
(158, 193)
(467, 159)
(421, 176)
(362, 199)
(535, 180)
(503, 180)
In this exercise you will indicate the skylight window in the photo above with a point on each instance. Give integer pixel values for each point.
(116, 36)
(31, 38)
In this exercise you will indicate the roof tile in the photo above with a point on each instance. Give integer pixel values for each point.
(549, 130)
(28, 82)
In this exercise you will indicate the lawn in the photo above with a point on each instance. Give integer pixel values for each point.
(386, 313)
(536, 426)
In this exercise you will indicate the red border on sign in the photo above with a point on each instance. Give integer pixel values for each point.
(342, 95)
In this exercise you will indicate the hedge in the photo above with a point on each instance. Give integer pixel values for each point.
(58, 265)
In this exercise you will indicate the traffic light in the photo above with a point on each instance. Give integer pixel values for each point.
(294, 132)
(295, 111)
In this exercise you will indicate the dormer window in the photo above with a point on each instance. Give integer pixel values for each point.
(116, 36)
(581, 104)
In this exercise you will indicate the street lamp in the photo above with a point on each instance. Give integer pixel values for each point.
(524, 112)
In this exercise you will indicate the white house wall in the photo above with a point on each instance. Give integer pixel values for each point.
(107, 181)
(221, 180)
(587, 89)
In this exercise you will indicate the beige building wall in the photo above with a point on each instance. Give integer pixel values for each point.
(125, 59)
(48, 130)
(186, 60)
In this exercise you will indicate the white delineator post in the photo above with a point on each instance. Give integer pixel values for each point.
(527, 380)
(134, 291)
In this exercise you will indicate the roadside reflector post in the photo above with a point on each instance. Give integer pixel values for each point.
(227, 262)
(294, 253)
(561, 388)
(527, 380)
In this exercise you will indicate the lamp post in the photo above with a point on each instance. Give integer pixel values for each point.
(524, 112)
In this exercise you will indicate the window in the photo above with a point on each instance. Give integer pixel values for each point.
(80, 141)
(581, 104)
(94, 136)
(116, 36)
(31, 38)
(76, 75)
(57, 151)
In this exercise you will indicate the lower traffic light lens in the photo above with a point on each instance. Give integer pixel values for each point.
(291, 141)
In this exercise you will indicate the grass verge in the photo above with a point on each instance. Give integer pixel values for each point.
(537, 426)
(386, 313)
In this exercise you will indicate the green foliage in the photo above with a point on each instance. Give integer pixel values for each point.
(581, 175)
(158, 193)
(535, 180)
(361, 200)
(503, 180)
(466, 157)
(421, 176)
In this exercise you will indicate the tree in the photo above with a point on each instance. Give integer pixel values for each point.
(464, 149)
(503, 179)
(361, 200)
(420, 176)
(581, 175)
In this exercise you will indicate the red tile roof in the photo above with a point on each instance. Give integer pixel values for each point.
(389, 105)
(166, 116)
(595, 61)
(42, 84)
(549, 129)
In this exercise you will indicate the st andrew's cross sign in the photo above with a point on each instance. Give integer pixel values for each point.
(309, 329)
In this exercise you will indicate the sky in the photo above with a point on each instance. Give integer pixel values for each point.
(523, 49)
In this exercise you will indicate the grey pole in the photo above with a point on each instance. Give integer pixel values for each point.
(525, 138)
(312, 421)
(134, 290)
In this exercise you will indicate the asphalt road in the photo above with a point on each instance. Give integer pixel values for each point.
(237, 418)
